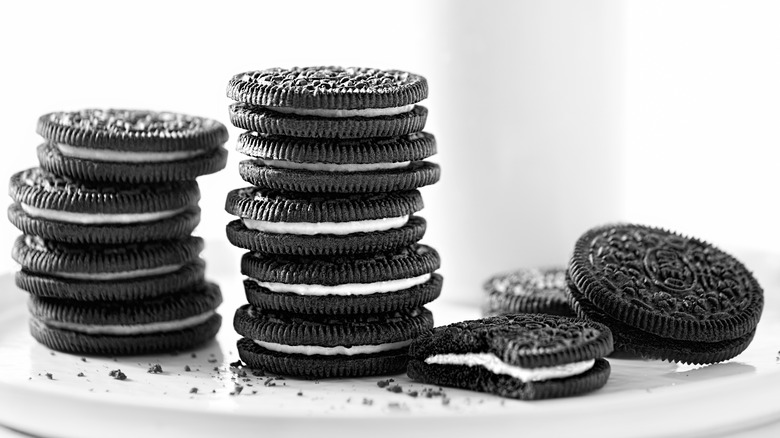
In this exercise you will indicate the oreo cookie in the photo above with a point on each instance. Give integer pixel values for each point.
(338, 285)
(167, 323)
(528, 290)
(522, 356)
(328, 102)
(339, 166)
(130, 146)
(278, 222)
(664, 295)
(316, 347)
(107, 272)
(63, 209)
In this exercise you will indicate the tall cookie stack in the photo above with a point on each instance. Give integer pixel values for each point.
(336, 280)
(107, 253)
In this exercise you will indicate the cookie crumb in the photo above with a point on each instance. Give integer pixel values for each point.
(193, 355)
(187, 368)
(49, 376)
(237, 390)
(212, 360)
(155, 369)
(412, 393)
(51, 353)
(368, 401)
(258, 373)
(193, 390)
(300, 393)
(396, 389)
(237, 364)
(383, 383)
(117, 374)
(80, 375)
(83, 359)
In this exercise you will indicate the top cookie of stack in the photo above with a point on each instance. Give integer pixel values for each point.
(333, 130)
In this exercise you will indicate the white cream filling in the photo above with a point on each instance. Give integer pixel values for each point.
(309, 350)
(133, 329)
(345, 289)
(492, 363)
(126, 156)
(96, 218)
(330, 167)
(123, 275)
(338, 228)
(367, 112)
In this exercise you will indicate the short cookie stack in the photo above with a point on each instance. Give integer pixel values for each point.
(336, 279)
(107, 253)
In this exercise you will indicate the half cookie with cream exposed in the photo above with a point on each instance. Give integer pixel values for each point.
(317, 347)
(63, 209)
(275, 222)
(338, 166)
(523, 356)
(129, 146)
(337, 285)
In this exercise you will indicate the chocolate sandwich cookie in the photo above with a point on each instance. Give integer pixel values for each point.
(528, 290)
(129, 146)
(317, 347)
(278, 222)
(60, 208)
(328, 102)
(107, 272)
(664, 295)
(337, 285)
(338, 166)
(523, 356)
(167, 323)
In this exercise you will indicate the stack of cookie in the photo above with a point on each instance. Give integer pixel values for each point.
(107, 253)
(336, 279)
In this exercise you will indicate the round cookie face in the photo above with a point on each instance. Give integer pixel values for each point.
(122, 130)
(525, 356)
(328, 88)
(528, 290)
(63, 209)
(665, 284)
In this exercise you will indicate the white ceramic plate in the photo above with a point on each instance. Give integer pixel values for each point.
(642, 398)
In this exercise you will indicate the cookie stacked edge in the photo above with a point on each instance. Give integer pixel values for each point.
(335, 276)
(107, 253)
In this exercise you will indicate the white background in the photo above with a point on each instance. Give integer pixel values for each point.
(551, 116)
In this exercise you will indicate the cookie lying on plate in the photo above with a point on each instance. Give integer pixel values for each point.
(63, 209)
(318, 347)
(523, 356)
(664, 295)
(373, 283)
(528, 290)
(129, 146)
(276, 222)
(107, 272)
(168, 323)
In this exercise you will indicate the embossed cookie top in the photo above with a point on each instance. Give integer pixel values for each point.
(637, 273)
(131, 130)
(527, 340)
(548, 282)
(328, 87)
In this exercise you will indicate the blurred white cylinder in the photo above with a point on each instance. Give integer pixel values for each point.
(528, 120)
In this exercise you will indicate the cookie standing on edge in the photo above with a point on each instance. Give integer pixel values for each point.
(523, 356)
(528, 290)
(275, 222)
(67, 210)
(130, 146)
(664, 295)
(318, 347)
